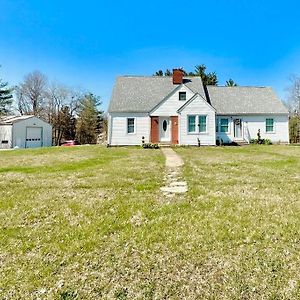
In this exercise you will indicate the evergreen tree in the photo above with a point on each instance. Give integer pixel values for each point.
(230, 82)
(159, 73)
(88, 121)
(200, 70)
(168, 73)
(207, 78)
(6, 98)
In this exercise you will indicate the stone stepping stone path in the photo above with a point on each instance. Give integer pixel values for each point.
(174, 184)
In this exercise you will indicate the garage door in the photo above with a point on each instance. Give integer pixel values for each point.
(34, 137)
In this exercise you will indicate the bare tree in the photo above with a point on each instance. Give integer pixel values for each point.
(30, 94)
(60, 109)
(294, 94)
(294, 108)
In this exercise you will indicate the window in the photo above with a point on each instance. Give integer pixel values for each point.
(192, 124)
(202, 123)
(130, 125)
(197, 124)
(182, 96)
(269, 125)
(224, 125)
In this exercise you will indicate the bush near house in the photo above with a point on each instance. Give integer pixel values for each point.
(261, 141)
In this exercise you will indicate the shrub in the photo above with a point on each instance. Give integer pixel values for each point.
(261, 141)
(150, 146)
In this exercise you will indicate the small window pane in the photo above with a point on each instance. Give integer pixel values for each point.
(192, 124)
(224, 125)
(202, 123)
(130, 125)
(182, 96)
(269, 125)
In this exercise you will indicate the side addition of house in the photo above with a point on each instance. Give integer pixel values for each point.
(180, 110)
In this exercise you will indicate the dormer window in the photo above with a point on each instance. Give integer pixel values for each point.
(182, 96)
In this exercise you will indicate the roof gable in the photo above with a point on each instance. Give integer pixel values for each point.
(143, 94)
(196, 96)
(171, 102)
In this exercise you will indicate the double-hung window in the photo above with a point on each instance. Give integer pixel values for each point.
(192, 124)
(130, 125)
(197, 124)
(224, 125)
(269, 125)
(202, 123)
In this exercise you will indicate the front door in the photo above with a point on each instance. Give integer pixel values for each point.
(238, 129)
(164, 129)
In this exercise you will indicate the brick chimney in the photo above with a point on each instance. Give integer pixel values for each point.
(177, 76)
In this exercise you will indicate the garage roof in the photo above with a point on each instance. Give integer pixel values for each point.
(9, 120)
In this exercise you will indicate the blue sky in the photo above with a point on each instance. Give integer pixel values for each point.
(88, 43)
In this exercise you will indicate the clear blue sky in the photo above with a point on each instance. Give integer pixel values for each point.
(88, 43)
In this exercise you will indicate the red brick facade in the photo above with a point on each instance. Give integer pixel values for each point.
(154, 136)
(154, 129)
(174, 121)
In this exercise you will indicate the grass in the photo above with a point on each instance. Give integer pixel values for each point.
(89, 223)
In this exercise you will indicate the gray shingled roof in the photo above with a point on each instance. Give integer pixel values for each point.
(142, 94)
(245, 100)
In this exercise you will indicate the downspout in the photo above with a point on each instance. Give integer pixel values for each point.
(109, 129)
(179, 128)
(12, 136)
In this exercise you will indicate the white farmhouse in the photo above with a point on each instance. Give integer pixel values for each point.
(24, 132)
(180, 110)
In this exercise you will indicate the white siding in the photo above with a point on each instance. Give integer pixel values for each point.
(118, 135)
(170, 106)
(197, 107)
(251, 125)
(20, 129)
(5, 135)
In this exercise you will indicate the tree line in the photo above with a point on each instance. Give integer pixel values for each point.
(73, 114)
(208, 78)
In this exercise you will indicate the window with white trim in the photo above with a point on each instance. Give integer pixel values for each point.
(202, 123)
(197, 123)
(191, 124)
(269, 125)
(130, 125)
(224, 125)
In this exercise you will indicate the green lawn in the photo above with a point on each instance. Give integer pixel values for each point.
(89, 223)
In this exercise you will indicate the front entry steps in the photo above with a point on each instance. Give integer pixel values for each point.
(162, 145)
(241, 143)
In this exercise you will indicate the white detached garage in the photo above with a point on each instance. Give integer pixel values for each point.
(24, 132)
